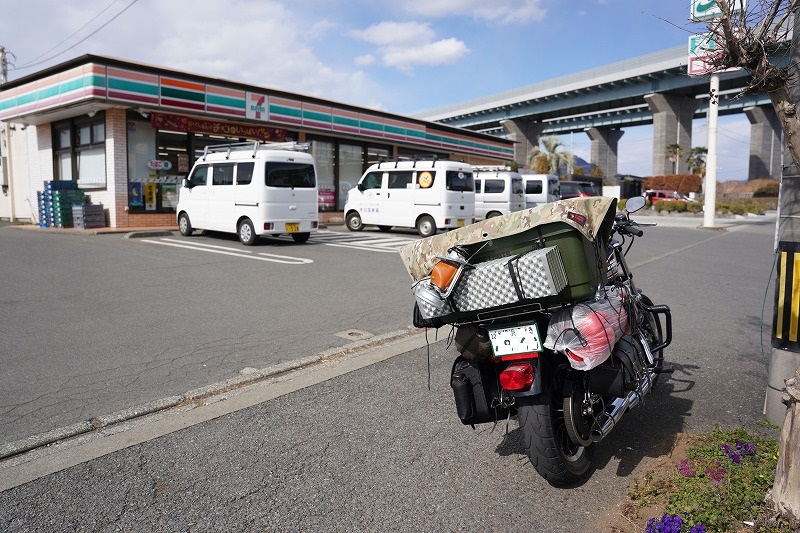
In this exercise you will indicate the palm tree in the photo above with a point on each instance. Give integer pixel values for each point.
(550, 145)
(697, 160)
(674, 153)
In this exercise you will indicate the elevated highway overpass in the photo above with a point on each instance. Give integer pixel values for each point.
(651, 89)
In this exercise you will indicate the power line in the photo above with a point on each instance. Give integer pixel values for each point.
(75, 32)
(30, 65)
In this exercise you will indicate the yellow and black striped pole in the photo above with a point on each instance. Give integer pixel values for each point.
(786, 320)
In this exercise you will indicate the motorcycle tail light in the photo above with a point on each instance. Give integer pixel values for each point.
(517, 377)
(443, 274)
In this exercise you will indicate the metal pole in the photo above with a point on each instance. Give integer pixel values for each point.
(710, 205)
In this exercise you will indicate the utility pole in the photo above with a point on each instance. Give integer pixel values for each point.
(3, 65)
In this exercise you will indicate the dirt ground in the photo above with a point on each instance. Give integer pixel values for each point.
(628, 517)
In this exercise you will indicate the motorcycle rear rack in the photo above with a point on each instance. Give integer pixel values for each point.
(661, 310)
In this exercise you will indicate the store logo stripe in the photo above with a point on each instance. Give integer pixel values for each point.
(132, 86)
(180, 94)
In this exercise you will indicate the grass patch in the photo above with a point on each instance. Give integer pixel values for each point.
(717, 483)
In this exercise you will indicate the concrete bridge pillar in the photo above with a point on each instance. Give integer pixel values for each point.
(765, 143)
(603, 155)
(525, 133)
(672, 124)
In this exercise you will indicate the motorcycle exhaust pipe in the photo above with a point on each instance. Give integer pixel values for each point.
(619, 407)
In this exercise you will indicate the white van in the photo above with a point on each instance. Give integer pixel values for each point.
(498, 191)
(427, 195)
(251, 189)
(541, 189)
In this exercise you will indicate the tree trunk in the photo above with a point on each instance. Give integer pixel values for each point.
(785, 494)
(787, 114)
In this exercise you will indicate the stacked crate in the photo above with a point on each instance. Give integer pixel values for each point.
(55, 203)
(87, 216)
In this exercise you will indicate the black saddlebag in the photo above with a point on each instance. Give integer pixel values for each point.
(476, 393)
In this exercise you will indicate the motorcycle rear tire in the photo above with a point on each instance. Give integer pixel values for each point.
(552, 452)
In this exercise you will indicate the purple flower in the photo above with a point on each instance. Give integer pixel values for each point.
(686, 469)
(698, 528)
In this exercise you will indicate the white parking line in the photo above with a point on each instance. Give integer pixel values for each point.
(221, 250)
(366, 248)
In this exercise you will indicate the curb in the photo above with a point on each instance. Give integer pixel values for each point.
(145, 234)
(247, 376)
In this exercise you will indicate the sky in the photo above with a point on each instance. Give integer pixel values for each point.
(404, 56)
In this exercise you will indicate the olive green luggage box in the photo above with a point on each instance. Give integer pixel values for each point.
(584, 261)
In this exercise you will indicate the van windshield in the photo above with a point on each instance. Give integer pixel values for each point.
(293, 175)
(460, 181)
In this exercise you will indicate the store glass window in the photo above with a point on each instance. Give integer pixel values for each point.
(351, 167)
(323, 152)
(79, 151)
(376, 154)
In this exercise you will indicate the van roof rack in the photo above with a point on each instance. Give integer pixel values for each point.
(491, 168)
(255, 146)
(412, 159)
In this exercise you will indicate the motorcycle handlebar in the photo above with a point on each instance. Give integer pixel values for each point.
(636, 232)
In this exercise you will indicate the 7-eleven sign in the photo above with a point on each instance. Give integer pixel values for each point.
(708, 9)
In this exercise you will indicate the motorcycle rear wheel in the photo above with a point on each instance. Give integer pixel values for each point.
(550, 449)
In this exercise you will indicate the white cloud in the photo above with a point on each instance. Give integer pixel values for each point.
(395, 33)
(446, 51)
(269, 43)
(499, 11)
(404, 45)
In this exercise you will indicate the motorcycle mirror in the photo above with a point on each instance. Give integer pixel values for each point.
(634, 204)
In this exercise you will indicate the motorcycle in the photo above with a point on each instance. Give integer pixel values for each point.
(548, 324)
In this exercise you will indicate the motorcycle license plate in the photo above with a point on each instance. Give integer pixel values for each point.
(292, 227)
(516, 340)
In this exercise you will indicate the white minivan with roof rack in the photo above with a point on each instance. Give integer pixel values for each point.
(427, 195)
(498, 191)
(251, 189)
(541, 189)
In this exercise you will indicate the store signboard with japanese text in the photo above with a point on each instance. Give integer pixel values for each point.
(703, 49)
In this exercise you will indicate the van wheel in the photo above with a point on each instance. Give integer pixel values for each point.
(301, 237)
(384, 228)
(353, 222)
(426, 226)
(493, 214)
(184, 225)
(247, 234)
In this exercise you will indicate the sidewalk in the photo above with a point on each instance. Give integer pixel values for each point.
(326, 218)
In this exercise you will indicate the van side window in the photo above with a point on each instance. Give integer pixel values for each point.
(494, 186)
(516, 186)
(244, 173)
(458, 180)
(372, 180)
(478, 186)
(223, 174)
(533, 187)
(199, 176)
(400, 179)
(290, 175)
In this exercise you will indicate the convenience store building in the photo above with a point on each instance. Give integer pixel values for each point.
(128, 133)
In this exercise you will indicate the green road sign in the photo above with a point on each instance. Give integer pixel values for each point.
(708, 9)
